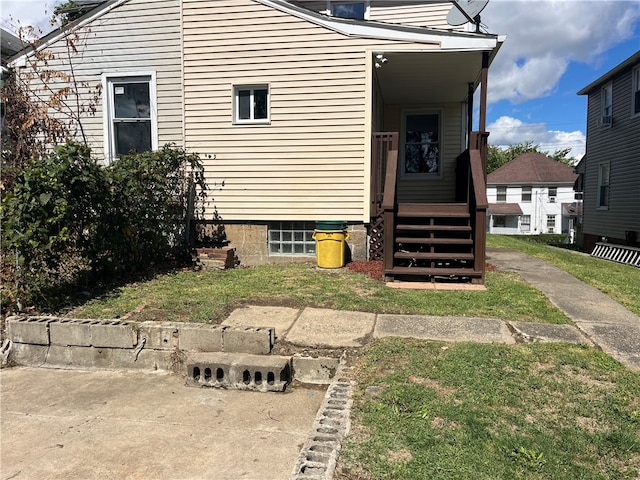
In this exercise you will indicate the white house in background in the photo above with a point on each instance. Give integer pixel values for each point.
(530, 195)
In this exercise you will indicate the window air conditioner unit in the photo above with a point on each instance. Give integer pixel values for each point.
(550, 229)
(606, 120)
(552, 199)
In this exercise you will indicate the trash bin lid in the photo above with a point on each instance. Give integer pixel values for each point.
(331, 225)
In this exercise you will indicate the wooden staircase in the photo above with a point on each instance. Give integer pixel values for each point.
(434, 242)
(437, 242)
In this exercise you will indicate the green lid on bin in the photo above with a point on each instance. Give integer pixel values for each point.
(331, 225)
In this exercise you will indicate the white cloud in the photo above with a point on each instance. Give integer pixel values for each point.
(543, 37)
(507, 131)
(35, 13)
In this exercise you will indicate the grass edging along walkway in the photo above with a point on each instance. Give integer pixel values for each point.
(476, 411)
(620, 282)
(209, 296)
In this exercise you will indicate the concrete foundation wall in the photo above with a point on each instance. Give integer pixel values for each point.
(252, 248)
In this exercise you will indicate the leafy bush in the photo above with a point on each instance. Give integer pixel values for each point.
(68, 217)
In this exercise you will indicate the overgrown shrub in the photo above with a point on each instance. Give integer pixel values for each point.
(68, 218)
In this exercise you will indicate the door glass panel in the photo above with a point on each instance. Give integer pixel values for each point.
(422, 147)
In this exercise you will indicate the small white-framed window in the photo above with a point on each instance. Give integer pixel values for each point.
(603, 186)
(358, 10)
(251, 104)
(553, 193)
(551, 223)
(421, 147)
(291, 238)
(130, 120)
(606, 102)
(501, 193)
(525, 223)
(635, 92)
(526, 193)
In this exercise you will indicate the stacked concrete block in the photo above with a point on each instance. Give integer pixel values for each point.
(240, 372)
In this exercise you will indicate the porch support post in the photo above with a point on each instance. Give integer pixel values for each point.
(469, 114)
(483, 92)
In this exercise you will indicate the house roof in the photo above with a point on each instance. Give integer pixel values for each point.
(10, 44)
(635, 58)
(504, 209)
(530, 168)
(573, 209)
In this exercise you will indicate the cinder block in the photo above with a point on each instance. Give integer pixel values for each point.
(254, 340)
(320, 370)
(79, 357)
(34, 330)
(160, 336)
(70, 332)
(195, 337)
(241, 372)
(28, 354)
(113, 334)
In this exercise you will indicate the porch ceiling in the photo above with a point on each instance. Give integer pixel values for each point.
(428, 77)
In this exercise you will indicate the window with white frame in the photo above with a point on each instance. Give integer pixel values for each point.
(525, 223)
(251, 104)
(526, 193)
(553, 193)
(606, 101)
(358, 10)
(422, 152)
(130, 119)
(291, 238)
(551, 223)
(603, 185)
(635, 92)
(501, 193)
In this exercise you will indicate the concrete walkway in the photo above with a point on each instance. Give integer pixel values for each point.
(106, 424)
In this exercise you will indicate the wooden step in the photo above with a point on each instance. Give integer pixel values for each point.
(433, 228)
(433, 256)
(434, 241)
(445, 271)
(443, 210)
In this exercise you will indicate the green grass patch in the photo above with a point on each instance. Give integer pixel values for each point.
(620, 282)
(461, 411)
(208, 296)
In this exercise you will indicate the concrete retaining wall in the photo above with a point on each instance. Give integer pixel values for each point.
(63, 342)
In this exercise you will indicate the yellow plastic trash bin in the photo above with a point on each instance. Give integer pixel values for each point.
(330, 248)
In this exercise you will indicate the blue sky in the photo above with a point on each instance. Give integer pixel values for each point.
(553, 49)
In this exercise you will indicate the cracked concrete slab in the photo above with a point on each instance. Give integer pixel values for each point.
(545, 332)
(319, 327)
(448, 329)
(280, 318)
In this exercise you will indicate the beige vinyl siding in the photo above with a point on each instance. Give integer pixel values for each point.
(419, 13)
(137, 36)
(311, 161)
(431, 190)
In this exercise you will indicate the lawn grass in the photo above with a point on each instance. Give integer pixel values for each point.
(209, 296)
(620, 282)
(474, 411)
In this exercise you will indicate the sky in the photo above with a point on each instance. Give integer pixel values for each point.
(553, 49)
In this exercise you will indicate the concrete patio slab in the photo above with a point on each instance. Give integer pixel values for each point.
(70, 424)
(448, 329)
(319, 327)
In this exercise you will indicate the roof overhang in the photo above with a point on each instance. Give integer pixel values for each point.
(504, 209)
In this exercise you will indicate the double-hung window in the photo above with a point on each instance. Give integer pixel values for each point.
(526, 193)
(525, 223)
(501, 193)
(553, 193)
(130, 119)
(421, 145)
(251, 104)
(603, 186)
(551, 223)
(635, 93)
(606, 100)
